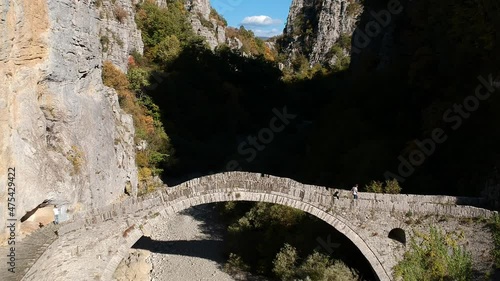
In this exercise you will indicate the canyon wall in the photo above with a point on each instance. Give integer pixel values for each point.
(315, 26)
(63, 130)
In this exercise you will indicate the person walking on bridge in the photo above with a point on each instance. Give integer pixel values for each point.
(355, 191)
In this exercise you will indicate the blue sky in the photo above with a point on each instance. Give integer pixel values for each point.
(264, 17)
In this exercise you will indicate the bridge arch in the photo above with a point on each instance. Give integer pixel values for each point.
(314, 200)
(109, 232)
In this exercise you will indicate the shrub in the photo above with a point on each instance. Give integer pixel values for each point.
(436, 257)
(138, 78)
(104, 43)
(158, 23)
(339, 271)
(120, 14)
(147, 123)
(206, 23)
(113, 77)
(284, 263)
(138, 58)
(354, 8)
(168, 49)
(316, 267)
(375, 187)
(235, 264)
(336, 51)
(392, 187)
(344, 41)
(220, 20)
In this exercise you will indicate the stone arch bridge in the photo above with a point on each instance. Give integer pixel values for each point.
(91, 245)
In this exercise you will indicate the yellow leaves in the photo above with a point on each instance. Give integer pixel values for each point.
(145, 173)
(146, 128)
(113, 77)
(142, 159)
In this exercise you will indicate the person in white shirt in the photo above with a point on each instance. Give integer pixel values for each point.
(56, 215)
(355, 191)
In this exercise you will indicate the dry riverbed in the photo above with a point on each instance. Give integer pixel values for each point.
(185, 247)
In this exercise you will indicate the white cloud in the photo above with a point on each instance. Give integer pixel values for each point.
(260, 21)
(267, 32)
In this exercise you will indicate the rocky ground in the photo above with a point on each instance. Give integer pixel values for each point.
(186, 247)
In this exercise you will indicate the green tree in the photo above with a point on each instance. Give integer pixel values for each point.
(168, 49)
(375, 187)
(314, 267)
(392, 187)
(138, 78)
(284, 263)
(157, 23)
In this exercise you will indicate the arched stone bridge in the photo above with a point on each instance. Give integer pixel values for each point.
(91, 245)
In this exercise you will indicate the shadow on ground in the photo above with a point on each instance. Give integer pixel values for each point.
(205, 249)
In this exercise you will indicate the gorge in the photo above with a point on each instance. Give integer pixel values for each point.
(107, 100)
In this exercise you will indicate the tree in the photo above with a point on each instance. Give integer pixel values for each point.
(392, 187)
(284, 263)
(375, 187)
(168, 49)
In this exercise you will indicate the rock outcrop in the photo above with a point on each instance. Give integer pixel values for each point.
(315, 26)
(63, 130)
(118, 31)
(205, 22)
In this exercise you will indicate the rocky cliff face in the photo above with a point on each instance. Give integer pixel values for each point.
(315, 26)
(62, 130)
(205, 23)
(118, 31)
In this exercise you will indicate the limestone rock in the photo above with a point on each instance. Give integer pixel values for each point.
(62, 129)
(203, 24)
(314, 27)
(118, 33)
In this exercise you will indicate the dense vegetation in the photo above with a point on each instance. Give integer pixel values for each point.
(250, 44)
(435, 257)
(148, 127)
(277, 246)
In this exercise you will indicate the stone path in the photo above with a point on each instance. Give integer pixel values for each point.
(28, 251)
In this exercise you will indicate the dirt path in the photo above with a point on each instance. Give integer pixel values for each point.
(188, 247)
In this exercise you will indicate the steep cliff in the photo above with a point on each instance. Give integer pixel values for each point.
(206, 22)
(118, 31)
(314, 27)
(62, 130)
